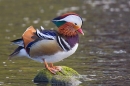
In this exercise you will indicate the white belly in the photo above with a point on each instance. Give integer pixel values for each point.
(56, 57)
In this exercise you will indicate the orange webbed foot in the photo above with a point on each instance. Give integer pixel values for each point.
(53, 69)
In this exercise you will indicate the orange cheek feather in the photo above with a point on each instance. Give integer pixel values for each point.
(68, 29)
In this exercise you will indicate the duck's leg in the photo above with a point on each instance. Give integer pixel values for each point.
(51, 69)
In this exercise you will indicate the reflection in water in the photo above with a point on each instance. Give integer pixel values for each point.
(54, 84)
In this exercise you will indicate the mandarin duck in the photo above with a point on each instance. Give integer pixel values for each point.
(50, 46)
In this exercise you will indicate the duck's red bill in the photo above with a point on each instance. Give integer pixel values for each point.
(80, 31)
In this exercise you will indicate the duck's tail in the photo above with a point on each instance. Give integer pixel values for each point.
(16, 52)
(20, 51)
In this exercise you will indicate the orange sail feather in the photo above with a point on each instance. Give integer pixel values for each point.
(27, 35)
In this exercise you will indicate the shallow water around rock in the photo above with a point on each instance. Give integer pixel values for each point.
(103, 56)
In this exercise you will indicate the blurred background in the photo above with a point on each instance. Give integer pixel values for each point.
(103, 56)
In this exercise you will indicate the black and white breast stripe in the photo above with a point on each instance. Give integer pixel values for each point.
(63, 44)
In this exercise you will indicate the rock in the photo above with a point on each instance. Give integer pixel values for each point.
(65, 77)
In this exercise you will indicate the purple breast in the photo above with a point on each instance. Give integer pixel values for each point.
(72, 40)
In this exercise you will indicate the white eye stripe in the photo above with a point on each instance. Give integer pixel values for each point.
(74, 19)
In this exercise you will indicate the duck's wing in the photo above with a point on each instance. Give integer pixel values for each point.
(29, 37)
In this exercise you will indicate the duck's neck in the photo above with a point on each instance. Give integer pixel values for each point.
(67, 31)
(72, 40)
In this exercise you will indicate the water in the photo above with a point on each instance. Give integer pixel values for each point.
(103, 54)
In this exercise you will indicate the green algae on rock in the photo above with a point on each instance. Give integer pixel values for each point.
(65, 76)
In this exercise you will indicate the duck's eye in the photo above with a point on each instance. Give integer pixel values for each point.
(75, 23)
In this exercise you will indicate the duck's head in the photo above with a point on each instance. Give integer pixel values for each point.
(69, 24)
